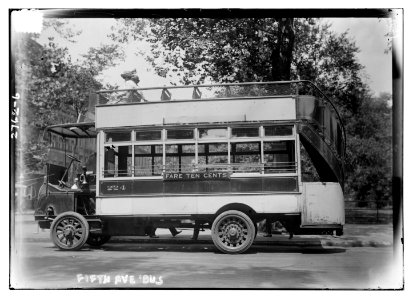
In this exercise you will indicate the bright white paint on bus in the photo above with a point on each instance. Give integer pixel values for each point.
(324, 203)
(182, 205)
(199, 111)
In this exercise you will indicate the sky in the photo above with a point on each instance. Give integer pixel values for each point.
(368, 34)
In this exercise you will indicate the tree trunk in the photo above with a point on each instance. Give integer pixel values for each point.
(282, 54)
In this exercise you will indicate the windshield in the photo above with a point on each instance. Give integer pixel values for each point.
(71, 146)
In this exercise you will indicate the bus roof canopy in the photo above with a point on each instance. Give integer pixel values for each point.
(74, 130)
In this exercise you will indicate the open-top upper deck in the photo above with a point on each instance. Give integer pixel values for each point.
(320, 125)
(234, 102)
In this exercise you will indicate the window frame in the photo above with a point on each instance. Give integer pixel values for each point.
(152, 155)
(116, 171)
(180, 154)
(131, 137)
(229, 140)
(275, 152)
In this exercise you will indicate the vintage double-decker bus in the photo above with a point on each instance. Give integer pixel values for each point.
(222, 157)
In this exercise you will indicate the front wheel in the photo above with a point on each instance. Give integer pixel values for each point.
(69, 231)
(233, 232)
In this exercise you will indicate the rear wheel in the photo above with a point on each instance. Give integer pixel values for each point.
(233, 232)
(69, 231)
(97, 240)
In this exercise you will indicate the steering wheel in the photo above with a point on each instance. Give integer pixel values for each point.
(72, 157)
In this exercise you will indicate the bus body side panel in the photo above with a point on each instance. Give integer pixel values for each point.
(58, 201)
(323, 203)
(181, 112)
(196, 204)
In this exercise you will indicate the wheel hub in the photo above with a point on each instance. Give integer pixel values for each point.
(233, 232)
(69, 231)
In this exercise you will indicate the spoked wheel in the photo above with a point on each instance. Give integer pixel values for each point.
(69, 231)
(97, 240)
(233, 232)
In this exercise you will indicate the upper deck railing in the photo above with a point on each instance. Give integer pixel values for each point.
(226, 91)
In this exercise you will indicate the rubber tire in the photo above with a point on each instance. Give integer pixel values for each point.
(58, 219)
(250, 233)
(102, 239)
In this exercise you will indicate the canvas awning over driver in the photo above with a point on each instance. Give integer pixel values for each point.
(74, 130)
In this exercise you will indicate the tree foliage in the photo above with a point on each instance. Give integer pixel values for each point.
(221, 50)
(62, 27)
(329, 60)
(56, 89)
(369, 152)
(99, 58)
(241, 50)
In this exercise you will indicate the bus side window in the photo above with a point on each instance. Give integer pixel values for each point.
(148, 160)
(180, 158)
(118, 161)
(212, 157)
(279, 157)
(109, 162)
(246, 157)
